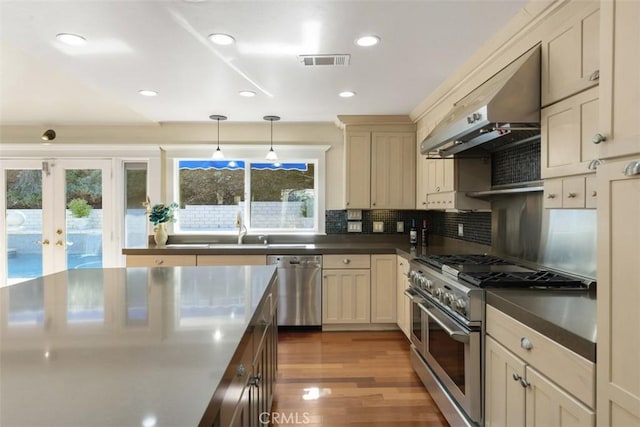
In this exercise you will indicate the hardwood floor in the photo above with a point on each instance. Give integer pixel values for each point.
(349, 379)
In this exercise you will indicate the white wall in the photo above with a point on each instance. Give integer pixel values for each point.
(197, 134)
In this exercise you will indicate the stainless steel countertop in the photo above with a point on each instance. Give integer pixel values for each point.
(567, 317)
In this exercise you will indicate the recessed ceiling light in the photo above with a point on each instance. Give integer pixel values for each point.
(147, 92)
(71, 39)
(347, 94)
(221, 39)
(247, 93)
(367, 41)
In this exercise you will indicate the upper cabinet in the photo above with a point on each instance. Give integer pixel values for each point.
(570, 53)
(619, 79)
(380, 163)
(449, 179)
(567, 130)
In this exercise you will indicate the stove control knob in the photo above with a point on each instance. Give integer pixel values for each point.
(429, 285)
(461, 305)
(438, 293)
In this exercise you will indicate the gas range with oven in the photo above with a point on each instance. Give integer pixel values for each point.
(447, 316)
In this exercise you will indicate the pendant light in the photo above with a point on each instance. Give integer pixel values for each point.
(271, 154)
(217, 155)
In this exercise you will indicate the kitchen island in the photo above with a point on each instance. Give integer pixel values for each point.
(132, 347)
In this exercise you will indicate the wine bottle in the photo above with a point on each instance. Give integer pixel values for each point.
(413, 234)
(425, 236)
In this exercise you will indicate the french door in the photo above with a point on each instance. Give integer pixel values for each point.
(57, 214)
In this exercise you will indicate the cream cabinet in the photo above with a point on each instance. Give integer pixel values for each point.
(383, 289)
(567, 130)
(402, 301)
(160, 260)
(569, 193)
(231, 260)
(422, 181)
(357, 169)
(449, 179)
(346, 289)
(530, 380)
(380, 162)
(570, 53)
(380, 170)
(619, 133)
(618, 351)
(393, 170)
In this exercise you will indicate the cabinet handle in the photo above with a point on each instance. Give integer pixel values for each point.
(572, 195)
(526, 343)
(159, 261)
(346, 261)
(595, 76)
(598, 138)
(524, 383)
(255, 380)
(551, 196)
(632, 168)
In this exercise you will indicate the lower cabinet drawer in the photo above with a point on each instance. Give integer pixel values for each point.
(160, 261)
(569, 370)
(346, 261)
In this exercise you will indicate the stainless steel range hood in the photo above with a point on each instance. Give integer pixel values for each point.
(503, 110)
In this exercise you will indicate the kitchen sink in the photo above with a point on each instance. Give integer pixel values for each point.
(292, 245)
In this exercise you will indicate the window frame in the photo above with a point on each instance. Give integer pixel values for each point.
(251, 154)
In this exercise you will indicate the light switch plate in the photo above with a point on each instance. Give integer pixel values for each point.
(378, 226)
(400, 227)
(354, 226)
(354, 214)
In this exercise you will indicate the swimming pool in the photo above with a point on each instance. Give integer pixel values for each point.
(28, 265)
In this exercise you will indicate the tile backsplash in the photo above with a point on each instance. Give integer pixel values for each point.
(476, 225)
(515, 164)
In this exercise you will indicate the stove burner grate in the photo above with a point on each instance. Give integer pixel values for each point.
(542, 278)
(437, 261)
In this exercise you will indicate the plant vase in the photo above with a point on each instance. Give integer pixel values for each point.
(160, 235)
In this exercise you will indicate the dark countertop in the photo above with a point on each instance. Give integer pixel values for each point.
(567, 317)
(123, 347)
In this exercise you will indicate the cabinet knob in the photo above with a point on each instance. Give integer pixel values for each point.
(44, 242)
(241, 371)
(572, 195)
(424, 203)
(347, 203)
(526, 343)
(551, 196)
(255, 380)
(594, 193)
(346, 261)
(437, 188)
(159, 262)
(59, 243)
(373, 204)
(595, 76)
(598, 138)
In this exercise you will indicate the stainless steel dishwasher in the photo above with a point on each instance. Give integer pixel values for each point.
(300, 289)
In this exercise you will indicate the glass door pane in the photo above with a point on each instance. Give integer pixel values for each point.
(23, 221)
(83, 218)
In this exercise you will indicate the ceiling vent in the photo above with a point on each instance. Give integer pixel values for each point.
(338, 60)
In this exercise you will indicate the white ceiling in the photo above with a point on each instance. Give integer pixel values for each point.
(163, 45)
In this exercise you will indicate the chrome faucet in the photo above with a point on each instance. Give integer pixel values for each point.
(242, 230)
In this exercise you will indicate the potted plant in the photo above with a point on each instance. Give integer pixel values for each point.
(79, 208)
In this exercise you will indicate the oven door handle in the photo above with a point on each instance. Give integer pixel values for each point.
(459, 335)
(410, 294)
